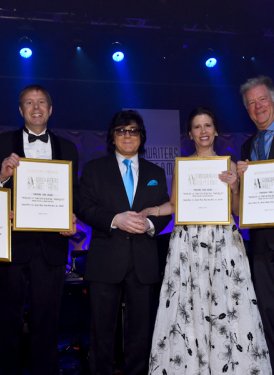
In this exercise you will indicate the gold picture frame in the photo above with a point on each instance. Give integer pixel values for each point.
(5, 225)
(257, 195)
(42, 195)
(201, 197)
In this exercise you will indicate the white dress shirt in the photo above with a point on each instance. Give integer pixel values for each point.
(37, 149)
(135, 171)
(134, 168)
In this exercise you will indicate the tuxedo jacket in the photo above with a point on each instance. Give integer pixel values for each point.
(102, 196)
(53, 245)
(262, 239)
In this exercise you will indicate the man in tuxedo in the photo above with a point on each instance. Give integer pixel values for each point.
(258, 98)
(35, 276)
(123, 258)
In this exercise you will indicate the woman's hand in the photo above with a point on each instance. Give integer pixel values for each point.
(150, 211)
(231, 178)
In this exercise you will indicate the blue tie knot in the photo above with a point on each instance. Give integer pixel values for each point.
(127, 163)
(128, 181)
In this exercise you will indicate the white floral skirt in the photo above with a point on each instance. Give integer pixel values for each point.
(208, 321)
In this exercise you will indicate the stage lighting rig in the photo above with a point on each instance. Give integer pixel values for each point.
(117, 54)
(25, 47)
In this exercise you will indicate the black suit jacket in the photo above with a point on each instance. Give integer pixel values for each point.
(102, 196)
(262, 239)
(54, 246)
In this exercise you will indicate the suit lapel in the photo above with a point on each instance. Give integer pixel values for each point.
(141, 186)
(55, 146)
(247, 150)
(271, 152)
(18, 146)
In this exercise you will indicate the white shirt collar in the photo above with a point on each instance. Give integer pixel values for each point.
(31, 132)
(134, 159)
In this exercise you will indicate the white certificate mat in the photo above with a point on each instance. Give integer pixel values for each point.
(201, 197)
(257, 195)
(43, 195)
(5, 226)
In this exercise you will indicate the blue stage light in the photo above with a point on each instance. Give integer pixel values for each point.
(25, 52)
(118, 56)
(25, 47)
(211, 62)
(117, 52)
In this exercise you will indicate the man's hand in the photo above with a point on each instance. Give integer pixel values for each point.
(242, 167)
(231, 178)
(131, 222)
(74, 229)
(8, 166)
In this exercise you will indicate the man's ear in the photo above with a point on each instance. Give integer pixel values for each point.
(21, 112)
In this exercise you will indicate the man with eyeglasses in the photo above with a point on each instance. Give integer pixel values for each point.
(258, 98)
(122, 262)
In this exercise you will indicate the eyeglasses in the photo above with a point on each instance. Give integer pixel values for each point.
(132, 132)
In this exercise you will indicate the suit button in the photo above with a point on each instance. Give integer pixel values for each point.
(127, 237)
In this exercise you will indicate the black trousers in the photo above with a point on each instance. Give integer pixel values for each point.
(139, 316)
(43, 284)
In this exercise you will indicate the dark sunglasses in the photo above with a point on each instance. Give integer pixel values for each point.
(132, 132)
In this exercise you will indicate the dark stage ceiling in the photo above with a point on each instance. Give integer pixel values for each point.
(165, 43)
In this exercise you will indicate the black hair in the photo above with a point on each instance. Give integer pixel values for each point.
(201, 111)
(124, 118)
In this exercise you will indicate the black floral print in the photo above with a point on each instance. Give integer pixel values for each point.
(208, 321)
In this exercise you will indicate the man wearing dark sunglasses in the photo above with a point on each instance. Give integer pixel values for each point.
(122, 263)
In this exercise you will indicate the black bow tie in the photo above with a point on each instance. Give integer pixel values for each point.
(33, 137)
(42, 137)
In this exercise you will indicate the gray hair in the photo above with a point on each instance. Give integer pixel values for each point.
(253, 82)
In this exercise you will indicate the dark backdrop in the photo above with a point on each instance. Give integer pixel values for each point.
(165, 42)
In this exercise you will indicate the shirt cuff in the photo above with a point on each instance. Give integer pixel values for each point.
(3, 182)
(151, 230)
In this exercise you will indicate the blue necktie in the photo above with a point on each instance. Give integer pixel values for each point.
(261, 145)
(128, 181)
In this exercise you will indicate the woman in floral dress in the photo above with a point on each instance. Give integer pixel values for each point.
(208, 322)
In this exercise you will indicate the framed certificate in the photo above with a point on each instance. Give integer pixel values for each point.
(201, 197)
(257, 195)
(43, 195)
(5, 225)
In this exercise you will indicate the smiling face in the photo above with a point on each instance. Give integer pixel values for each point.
(202, 132)
(127, 144)
(36, 110)
(260, 106)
